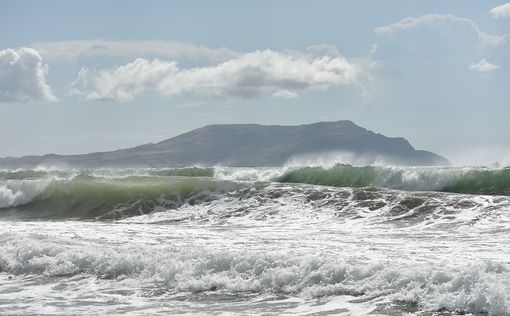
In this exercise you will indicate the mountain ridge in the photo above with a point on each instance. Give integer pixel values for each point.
(247, 145)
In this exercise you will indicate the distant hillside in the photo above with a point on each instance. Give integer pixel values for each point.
(247, 145)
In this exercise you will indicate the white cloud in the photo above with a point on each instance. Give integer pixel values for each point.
(483, 66)
(501, 11)
(286, 94)
(260, 73)
(22, 76)
(131, 49)
(436, 19)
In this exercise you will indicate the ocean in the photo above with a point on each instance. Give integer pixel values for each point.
(316, 240)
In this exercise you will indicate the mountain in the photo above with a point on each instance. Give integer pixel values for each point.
(247, 145)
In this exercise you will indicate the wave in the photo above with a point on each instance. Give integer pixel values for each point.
(456, 180)
(467, 180)
(204, 199)
(19, 192)
(219, 193)
(88, 197)
(479, 287)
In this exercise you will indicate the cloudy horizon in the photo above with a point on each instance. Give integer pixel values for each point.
(436, 75)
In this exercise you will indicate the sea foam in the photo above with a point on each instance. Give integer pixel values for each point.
(475, 287)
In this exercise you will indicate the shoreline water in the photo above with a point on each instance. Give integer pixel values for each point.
(246, 241)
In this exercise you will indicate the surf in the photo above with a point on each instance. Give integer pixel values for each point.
(88, 197)
(467, 180)
(376, 238)
(194, 200)
(198, 263)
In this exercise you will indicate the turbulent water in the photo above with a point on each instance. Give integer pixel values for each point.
(264, 241)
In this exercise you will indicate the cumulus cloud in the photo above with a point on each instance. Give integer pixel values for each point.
(259, 73)
(130, 49)
(442, 20)
(483, 66)
(22, 76)
(501, 11)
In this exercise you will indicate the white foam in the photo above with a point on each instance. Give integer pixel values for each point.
(248, 174)
(195, 264)
(19, 192)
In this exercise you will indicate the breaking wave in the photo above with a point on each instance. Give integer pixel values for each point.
(457, 180)
(88, 197)
(480, 287)
(206, 200)
(383, 236)
(467, 180)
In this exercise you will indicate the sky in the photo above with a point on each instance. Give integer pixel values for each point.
(87, 76)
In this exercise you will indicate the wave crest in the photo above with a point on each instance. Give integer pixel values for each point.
(101, 198)
(456, 180)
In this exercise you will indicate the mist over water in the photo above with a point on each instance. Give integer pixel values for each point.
(306, 238)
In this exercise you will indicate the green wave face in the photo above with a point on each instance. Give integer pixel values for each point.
(496, 182)
(454, 180)
(340, 176)
(186, 172)
(103, 197)
(87, 197)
